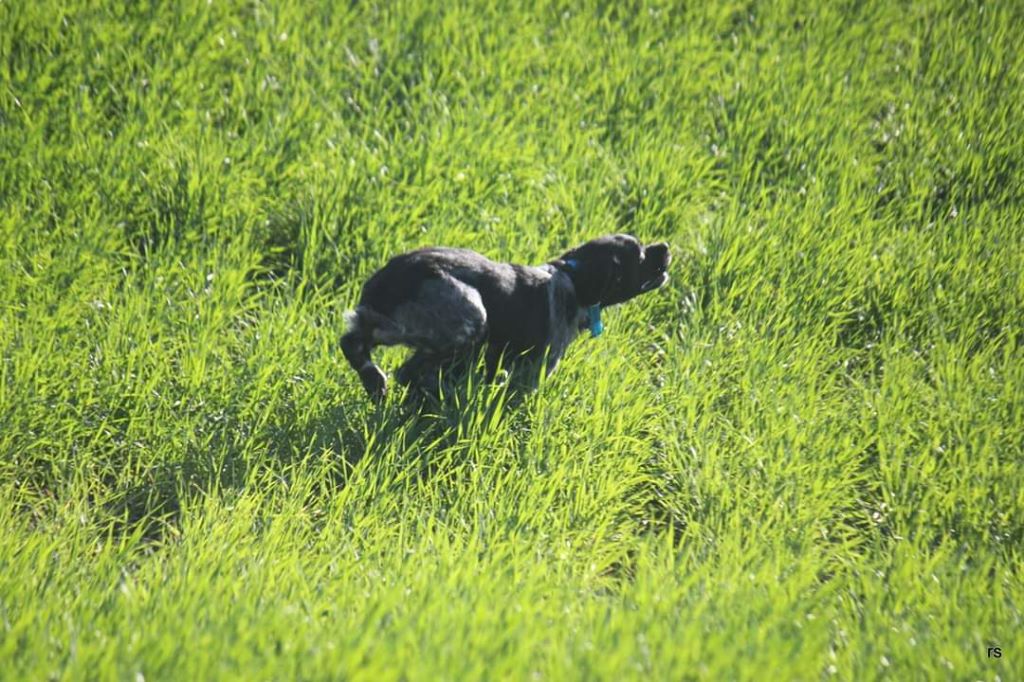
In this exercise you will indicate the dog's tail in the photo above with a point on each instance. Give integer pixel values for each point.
(351, 320)
(364, 321)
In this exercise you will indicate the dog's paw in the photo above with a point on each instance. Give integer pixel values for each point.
(374, 382)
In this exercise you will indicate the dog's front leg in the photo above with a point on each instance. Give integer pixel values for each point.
(555, 353)
(493, 360)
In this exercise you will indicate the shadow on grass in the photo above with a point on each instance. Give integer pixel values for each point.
(231, 458)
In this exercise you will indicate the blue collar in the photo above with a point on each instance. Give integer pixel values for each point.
(596, 326)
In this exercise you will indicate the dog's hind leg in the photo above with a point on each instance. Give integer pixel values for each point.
(443, 318)
(444, 322)
(412, 368)
(356, 345)
(422, 372)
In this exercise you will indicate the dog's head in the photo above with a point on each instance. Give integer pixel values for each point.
(615, 268)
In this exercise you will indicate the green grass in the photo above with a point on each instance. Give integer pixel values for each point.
(803, 458)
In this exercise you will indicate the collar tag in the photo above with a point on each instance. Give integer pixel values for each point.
(596, 326)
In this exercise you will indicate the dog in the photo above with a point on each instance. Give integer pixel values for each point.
(447, 303)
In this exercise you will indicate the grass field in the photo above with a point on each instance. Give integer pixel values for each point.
(801, 459)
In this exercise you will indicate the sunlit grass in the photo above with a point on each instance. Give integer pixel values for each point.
(802, 458)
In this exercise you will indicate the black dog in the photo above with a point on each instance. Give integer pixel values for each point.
(446, 303)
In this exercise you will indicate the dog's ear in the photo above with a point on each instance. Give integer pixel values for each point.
(592, 273)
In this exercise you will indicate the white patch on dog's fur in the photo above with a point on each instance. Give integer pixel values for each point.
(350, 318)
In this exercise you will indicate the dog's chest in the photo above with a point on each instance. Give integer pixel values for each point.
(565, 316)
